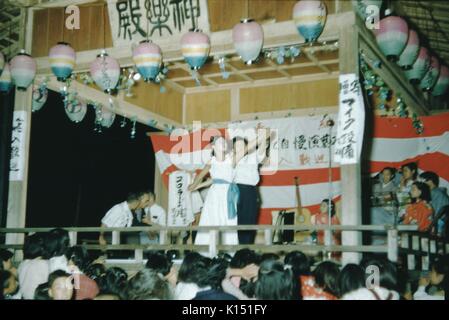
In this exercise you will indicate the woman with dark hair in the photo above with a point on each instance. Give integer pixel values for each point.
(242, 259)
(351, 278)
(33, 270)
(420, 211)
(6, 261)
(300, 266)
(326, 281)
(198, 273)
(438, 277)
(147, 284)
(56, 244)
(380, 281)
(274, 281)
(114, 283)
(78, 261)
(41, 292)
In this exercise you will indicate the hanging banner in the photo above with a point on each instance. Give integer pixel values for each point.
(17, 161)
(135, 20)
(351, 121)
(180, 207)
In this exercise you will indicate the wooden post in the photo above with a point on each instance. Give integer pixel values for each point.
(268, 237)
(115, 237)
(213, 236)
(351, 184)
(17, 195)
(73, 235)
(138, 255)
(393, 245)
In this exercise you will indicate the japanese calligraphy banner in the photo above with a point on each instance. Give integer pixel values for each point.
(351, 121)
(17, 161)
(180, 212)
(135, 20)
(301, 149)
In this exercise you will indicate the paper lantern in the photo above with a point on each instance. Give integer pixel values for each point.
(40, 96)
(23, 70)
(392, 36)
(105, 71)
(147, 57)
(310, 18)
(62, 59)
(420, 67)
(442, 84)
(105, 118)
(248, 40)
(195, 47)
(411, 51)
(431, 76)
(5, 79)
(76, 110)
(2, 62)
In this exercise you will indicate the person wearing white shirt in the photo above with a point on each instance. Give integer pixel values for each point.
(120, 215)
(154, 215)
(247, 178)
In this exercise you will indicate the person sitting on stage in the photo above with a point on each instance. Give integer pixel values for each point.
(322, 218)
(419, 212)
(386, 181)
(121, 215)
(439, 200)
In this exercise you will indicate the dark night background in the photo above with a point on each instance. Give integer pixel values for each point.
(76, 174)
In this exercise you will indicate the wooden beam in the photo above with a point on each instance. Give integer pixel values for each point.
(60, 4)
(120, 106)
(277, 34)
(351, 184)
(266, 82)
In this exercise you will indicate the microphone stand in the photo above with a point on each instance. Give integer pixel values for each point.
(328, 233)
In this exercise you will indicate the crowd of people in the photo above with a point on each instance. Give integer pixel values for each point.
(412, 199)
(52, 270)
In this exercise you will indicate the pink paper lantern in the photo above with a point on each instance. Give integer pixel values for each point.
(411, 51)
(420, 67)
(23, 70)
(442, 84)
(147, 57)
(62, 59)
(392, 36)
(105, 71)
(195, 47)
(431, 77)
(310, 18)
(248, 40)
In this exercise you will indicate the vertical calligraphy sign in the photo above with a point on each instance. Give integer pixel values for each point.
(351, 121)
(135, 20)
(180, 211)
(17, 161)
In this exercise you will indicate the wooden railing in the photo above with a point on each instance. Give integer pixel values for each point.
(407, 244)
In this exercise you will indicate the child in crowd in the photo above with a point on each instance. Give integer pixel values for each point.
(60, 285)
(438, 277)
(33, 270)
(274, 281)
(148, 284)
(9, 286)
(56, 244)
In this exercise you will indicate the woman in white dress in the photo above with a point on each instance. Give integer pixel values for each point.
(216, 209)
(220, 206)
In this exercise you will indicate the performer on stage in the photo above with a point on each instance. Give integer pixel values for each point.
(247, 178)
(220, 206)
(154, 214)
(121, 215)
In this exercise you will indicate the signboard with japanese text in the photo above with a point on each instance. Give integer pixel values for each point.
(351, 121)
(135, 20)
(180, 212)
(17, 162)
